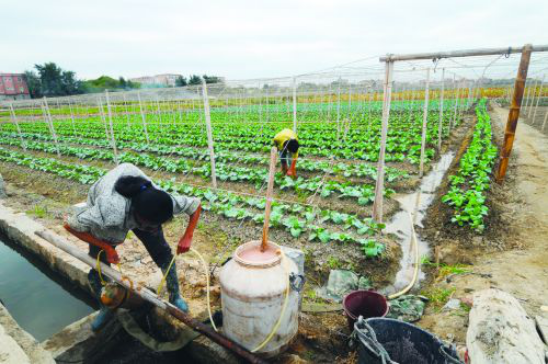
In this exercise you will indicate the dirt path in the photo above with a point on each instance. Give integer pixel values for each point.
(523, 271)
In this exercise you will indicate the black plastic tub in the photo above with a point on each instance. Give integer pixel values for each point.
(404, 343)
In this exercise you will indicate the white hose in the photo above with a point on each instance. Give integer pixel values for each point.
(417, 263)
(284, 307)
(206, 271)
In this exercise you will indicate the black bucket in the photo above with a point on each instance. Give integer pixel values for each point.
(404, 343)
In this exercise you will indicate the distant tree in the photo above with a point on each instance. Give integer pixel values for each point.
(212, 79)
(181, 81)
(34, 84)
(108, 83)
(195, 80)
(122, 83)
(133, 85)
(69, 84)
(57, 82)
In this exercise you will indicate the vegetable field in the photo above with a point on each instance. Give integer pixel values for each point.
(330, 201)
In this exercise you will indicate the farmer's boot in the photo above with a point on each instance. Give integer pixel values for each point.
(105, 313)
(172, 284)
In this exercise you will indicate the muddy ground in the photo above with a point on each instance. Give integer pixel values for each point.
(511, 255)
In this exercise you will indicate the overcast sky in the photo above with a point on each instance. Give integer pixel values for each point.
(242, 39)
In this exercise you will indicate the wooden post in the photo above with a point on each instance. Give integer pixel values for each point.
(440, 125)
(14, 119)
(143, 119)
(513, 114)
(149, 296)
(51, 126)
(112, 139)
(424, 123)
(379, 187)
(209, 134)
(269, 193)
(294, 104)
(538, 99)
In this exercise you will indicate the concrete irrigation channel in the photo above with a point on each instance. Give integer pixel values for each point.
(64, 335)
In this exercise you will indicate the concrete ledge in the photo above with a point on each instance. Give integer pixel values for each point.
(10, 351)
(17, 345)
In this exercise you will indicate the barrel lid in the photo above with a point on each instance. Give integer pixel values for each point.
(273, 255)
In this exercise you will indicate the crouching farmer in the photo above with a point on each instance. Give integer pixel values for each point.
(287, 144)
(125, 199)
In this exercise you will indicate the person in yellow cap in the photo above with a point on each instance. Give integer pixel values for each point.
(287, 143)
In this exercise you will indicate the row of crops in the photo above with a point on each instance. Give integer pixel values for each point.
(336, 164)
(467, 195)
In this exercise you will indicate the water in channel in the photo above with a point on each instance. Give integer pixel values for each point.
(414, 205)
(41, 302)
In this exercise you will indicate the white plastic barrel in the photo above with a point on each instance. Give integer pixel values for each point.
(253, 296)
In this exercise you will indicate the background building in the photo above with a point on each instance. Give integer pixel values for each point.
(13, 87)
(166, 79)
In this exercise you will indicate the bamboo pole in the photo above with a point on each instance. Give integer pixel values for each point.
(545, 119)
(330, 103)
(103, 118)
(112, 139)
(150, 297)
(294, 104)
(527, 98)
(339, 109)
(17, 127)
(462, 53)
(159, 112)
(349, 100)
(440, 124)
(379, 186)
(424, 123)
(513, 115)
(469, 99)
(411, 104)
(261, 109)
(126, 109)
(455, 113)
(531, 100)
(143, 119)
(51, 126)
(538, 99)
(209, 135)
(71, 117)
(269, 193)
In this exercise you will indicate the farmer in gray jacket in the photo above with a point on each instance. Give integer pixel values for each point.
(125, 199)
